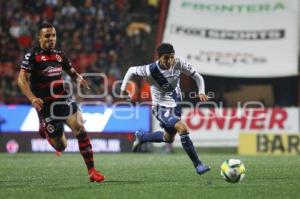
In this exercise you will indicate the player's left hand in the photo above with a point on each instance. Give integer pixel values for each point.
(203, 97)
(83, 82)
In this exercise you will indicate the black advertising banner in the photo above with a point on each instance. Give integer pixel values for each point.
(32, 142)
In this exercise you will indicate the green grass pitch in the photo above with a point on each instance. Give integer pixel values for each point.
(145, 176)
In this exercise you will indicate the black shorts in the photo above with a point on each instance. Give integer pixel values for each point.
(53, 116)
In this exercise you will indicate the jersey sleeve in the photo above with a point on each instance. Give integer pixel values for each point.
(186, 67)
(189, 70)
(142, 71)
(28, 62)
(66, 63)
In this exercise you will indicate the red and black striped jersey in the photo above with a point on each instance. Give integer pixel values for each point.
(46, 69)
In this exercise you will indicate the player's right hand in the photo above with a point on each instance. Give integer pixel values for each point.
(37, 103)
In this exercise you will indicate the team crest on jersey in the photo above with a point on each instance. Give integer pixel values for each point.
(58, 58)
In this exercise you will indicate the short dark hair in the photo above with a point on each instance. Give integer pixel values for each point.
(45, 24)
(165, 48)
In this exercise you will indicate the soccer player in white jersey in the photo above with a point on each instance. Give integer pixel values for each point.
(163, 76)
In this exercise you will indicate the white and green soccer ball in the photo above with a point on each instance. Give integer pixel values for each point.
(233, 170)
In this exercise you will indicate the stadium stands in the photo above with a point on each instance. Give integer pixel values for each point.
(98, 36)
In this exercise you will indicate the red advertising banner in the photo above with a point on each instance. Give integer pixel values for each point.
(220, 127)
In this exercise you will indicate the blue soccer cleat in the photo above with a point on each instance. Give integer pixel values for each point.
(137, 143)
(201, 169)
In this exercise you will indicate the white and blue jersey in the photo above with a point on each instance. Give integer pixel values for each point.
(165, 87)
(165, 84)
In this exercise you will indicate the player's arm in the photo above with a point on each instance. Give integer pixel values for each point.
(70, 70)
(76, 77)
(189, 70)
(201, 87)
(23, 83)
(142, 71)
(130, 72)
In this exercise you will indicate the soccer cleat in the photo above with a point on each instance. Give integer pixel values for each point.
(137, 143)
(201, 169)
(95, 176)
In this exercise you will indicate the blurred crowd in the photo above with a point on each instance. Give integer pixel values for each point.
(99, 36)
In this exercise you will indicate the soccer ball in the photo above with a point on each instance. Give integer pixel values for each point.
(233, 170)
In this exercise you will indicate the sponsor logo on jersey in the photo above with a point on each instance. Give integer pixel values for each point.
(44, 58)
(51, 71)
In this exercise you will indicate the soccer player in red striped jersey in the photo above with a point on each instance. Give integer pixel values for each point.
(40, 80)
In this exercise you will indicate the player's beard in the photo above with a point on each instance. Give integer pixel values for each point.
(50, 45)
